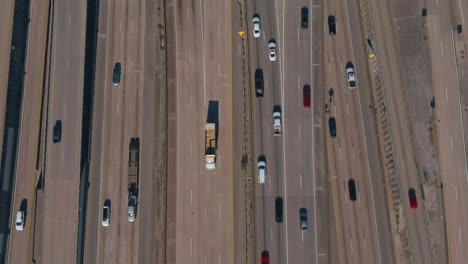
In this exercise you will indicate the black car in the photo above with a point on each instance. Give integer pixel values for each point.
(116, 73)
(279, 209)
(331, 25)
(57, 131)
(332, 126)
(304, 17)
(259, 82)
(352, 189)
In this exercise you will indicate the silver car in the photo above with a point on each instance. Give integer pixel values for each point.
(272, 50)
(256, 26)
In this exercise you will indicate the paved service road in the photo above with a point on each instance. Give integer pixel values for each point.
(62, 170)
(450, 127)
(400, 129)
(204, 198)
(20, 247)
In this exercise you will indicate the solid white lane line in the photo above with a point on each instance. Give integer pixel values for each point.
(339, 151)
(191, 148)
(298, 82)
(191, 196)
(300, 180)
(202, 19)
(205, 215)
(191, 246)
(298, 35)
(446, 94)
(461, 11)
(442, 47)
(302, 236)
(299, 131)
(219, 212)
(451, 142)
(459, 233)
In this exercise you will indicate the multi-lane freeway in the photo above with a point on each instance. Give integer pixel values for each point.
(367, 172)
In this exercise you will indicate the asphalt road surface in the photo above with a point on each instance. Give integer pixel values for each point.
(27, 173)
(204, 198)
(290, 157)
(414, 219)
(62, 169)
(450, 127)
(359, 227)
(118, 109)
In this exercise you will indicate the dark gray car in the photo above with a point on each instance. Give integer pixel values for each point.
(116, 73)
(259, 82)
(57, 131)
(303, 218)
(332, 126)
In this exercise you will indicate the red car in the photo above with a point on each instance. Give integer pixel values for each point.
(265, 257)
(412, 198)
(306, 95)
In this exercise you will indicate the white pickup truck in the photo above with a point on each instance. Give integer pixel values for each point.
(277, 120)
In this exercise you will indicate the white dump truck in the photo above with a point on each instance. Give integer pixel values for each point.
(210, 146)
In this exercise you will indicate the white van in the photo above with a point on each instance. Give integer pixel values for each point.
(261, 169)
(20, 220)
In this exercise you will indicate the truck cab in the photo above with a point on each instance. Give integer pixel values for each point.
(131, 208)
(210, 146)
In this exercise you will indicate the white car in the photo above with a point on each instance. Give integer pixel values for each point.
(350, 75)
(272, 50)
(261, 169)
(20, 220)
(105, 215)
(256, 26)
